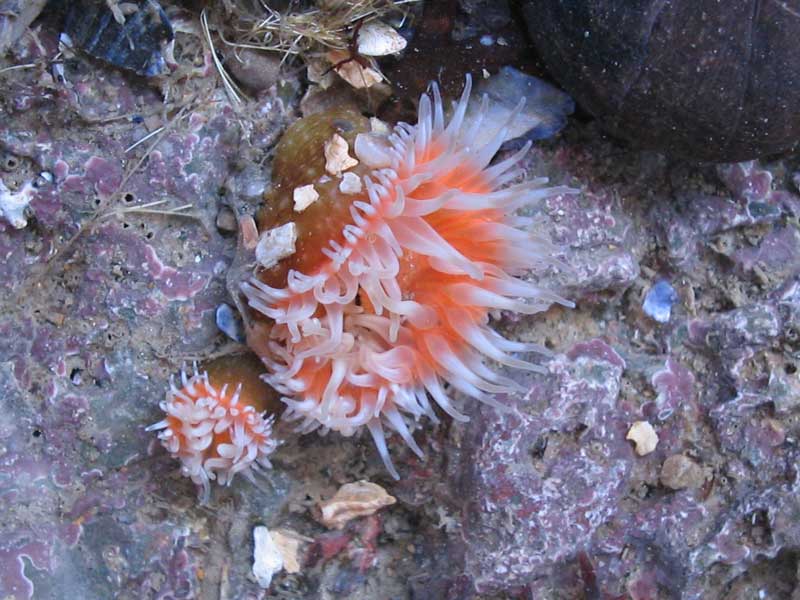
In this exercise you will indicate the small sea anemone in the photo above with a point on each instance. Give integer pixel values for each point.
(215, 430)
(396, 259)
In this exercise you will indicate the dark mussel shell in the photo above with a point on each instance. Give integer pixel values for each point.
(135, 45)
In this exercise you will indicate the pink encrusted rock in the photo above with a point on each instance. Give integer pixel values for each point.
(775, 258)
(546, 500)
(674, 384)
(99, 302)
(600, 235)
(542, 478)
(557, 499)
(693, 218)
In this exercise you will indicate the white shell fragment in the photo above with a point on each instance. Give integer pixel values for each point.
(304, 196)
(353, 500)
(337, 158)
(379, 39)
(288, 543)
(643, 436)
(13, 204)
(350, 184)
(267, 557)
(352, 72)
(275, 244)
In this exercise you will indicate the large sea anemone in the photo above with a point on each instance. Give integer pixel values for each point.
(380, 271)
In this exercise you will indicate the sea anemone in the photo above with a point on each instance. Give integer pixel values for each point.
(393, 263)
(215, 430)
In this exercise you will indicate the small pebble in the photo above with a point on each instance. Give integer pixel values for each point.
(226, 220)
(680, 472)
(56, 318)
(350, 184)
(255, 70)
(304, 196)
(337, 157)
(378, 126)
(288, 543)
(252, 184)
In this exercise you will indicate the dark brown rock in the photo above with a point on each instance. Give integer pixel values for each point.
(257, 71)
(701, 79)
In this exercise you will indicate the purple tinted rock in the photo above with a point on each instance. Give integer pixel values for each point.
(603, 269)
(15, 557)
(745, 429)
(746, 180)
(752, 184)
(559, 501)
(775, 258)
(102, 302)
(783, 389)
(691, 220)
(674, 384)
(737, 332)
(757, 527)
(788, 302)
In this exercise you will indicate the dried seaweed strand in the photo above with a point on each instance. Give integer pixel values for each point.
(298, 33)
(235, 93)
(147, 209)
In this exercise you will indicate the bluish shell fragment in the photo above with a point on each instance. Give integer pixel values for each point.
(544, 114)
(230, 323)
(659, 300)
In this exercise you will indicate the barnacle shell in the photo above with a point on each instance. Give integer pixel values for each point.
(376, 38)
